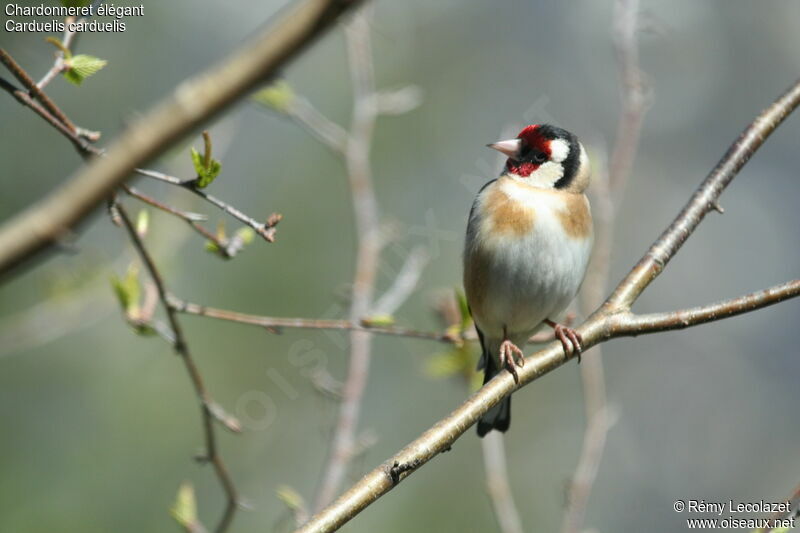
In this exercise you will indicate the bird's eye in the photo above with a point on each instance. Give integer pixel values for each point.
(540, 157)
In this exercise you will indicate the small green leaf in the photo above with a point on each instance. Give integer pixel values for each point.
(458, 361)
(145, 330)
(184, 510)
(205, 175)
(278, 96)
(142, 222)
(197, 161)
(128, 291)
(58, 44)
(290, 498)
(245, 234)
(377, 321)
(463, 308)
(212, 247)
(442, 365)
(82, 66)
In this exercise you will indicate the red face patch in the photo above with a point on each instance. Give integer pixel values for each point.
(532, 142)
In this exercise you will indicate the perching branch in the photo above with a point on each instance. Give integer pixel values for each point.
(211, 411)
(192, 103)
(611, 320)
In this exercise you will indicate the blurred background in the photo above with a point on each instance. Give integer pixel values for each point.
(100, 425)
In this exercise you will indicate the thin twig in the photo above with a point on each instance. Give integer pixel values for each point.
(582, 482)
(599, 327)
(364, 324)
(404, 284)
(265, 230)
(34, 89)
(25, 99)
(274, 323)
(635, 93)
(225, 246)
(324, 129)
(184, 215)
(211, 411)
(494, 461)
(59, 65)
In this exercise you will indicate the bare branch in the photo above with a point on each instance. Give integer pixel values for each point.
(634, 93)
(582, 481)
(494, 461)
(265, 230)
(324, 129)
(276, 323)
(404, 284)
(25, 99)
(193, 103)
(227, 247)
(599, 327)
(703, 200)
(210, 410)
(34, 89)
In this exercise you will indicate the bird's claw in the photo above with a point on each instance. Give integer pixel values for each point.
(570, 339)
(511, 357)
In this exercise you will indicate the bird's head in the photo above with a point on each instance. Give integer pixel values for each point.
(547, 157)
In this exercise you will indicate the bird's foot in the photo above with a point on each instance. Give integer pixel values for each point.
(570, 339)
(511, 357)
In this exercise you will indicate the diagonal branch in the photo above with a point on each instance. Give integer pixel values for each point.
(193, 102)
(35, 91)
(599, 327)
(703, 200)
(25, 99)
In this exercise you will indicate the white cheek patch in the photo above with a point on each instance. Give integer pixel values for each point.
(546, 175)
(559, 150)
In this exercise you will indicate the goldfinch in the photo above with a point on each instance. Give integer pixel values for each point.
(528, 242)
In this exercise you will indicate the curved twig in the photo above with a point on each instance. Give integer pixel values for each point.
(211, 411)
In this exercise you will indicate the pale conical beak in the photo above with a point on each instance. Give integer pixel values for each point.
(509, 147)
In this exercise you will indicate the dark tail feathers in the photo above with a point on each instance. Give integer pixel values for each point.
(499, 416)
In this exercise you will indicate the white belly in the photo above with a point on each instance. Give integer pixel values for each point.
(528, 278)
